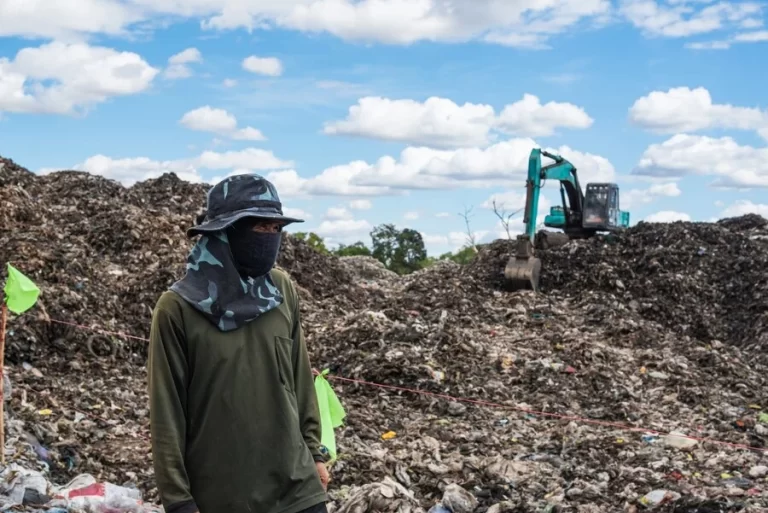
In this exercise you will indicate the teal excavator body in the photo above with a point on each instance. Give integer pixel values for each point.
(581, 215)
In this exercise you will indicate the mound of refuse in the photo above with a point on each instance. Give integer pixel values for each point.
(636, 381)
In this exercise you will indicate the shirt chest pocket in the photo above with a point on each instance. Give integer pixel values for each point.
(284, 354)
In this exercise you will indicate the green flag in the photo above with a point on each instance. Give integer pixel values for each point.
(331, 412)
(20, 292)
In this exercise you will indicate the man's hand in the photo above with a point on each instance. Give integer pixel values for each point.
(322, 471)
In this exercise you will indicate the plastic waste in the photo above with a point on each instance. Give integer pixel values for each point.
(83, 494)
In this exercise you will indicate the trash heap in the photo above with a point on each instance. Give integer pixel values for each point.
(461, 396)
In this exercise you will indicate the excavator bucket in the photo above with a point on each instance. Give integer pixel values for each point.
(523, 269)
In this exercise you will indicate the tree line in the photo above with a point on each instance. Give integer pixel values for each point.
(401, 251)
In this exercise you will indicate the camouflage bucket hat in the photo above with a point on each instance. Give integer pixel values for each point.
(238, 197)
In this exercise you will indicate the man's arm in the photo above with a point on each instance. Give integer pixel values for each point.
(168, 374)
(305, 390)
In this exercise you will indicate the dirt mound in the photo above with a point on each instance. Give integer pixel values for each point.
(552, 402)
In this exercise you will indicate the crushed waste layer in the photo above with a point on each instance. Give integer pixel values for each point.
(583, 394)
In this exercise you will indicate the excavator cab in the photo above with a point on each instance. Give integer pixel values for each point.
(601, 208)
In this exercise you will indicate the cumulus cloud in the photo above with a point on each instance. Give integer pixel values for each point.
(219, 121)
(516, 23)
(268, 66)
(411, 216)
(730, 164)
(131, 170)
(338, 213)
(667, 216)
(636, 197)
(297, 213)
(62, 78)
(744, 207)
(529, 118)
(454, 240)
(683, 18)
(344, 229)
(439, 122)
(682, 109)
(361, 204)
(178, 65)
(421, 168)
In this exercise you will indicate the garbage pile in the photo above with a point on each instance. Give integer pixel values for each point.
(461, 397)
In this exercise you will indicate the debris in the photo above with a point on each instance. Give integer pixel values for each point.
(678, 347)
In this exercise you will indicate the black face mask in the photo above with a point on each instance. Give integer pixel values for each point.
(255, 253)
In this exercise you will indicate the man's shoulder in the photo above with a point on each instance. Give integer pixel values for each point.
(171, 303)
(283, 281)
(282, 278)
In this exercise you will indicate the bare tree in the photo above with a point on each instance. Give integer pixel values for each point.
(471, 239)
(505, 217)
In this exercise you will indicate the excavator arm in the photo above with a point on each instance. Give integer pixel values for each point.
(524, 268)
(562, 171)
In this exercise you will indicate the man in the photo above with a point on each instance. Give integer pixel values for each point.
(233, 414)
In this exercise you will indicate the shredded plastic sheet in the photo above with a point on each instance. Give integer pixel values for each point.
(20, 292)
(83, 494)
(331, 412)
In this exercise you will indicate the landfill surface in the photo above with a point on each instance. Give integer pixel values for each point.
(636, 380)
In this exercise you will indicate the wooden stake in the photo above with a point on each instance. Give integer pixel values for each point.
(2, 382)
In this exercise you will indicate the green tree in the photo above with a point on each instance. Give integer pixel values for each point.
(356, 249)
(464, 255)
(313, 240)
(401, 251)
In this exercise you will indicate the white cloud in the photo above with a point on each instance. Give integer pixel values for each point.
(61, 78)
(439, 122)
(522, 23)
(411, 216)
(760, 36)
(344, 228)
(425, 168)
(682, 109)
(635, 197)
(443, 215)
(229, 82)
(529, 118)
(219, 121)
(667, 216)
(518, 23)
(744, 207)
(296, 212)
(130, 170)
(681, 18)
(453, 240)
(361, 204)
(269, 66)
(338, 213)
(178, 65)
(732, 165)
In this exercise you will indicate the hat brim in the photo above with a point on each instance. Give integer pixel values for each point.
(225, 222)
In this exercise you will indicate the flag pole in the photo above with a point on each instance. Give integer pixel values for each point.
(3, 319)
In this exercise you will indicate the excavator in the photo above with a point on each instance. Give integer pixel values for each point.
(580, 216)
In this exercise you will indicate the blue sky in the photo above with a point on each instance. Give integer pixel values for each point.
(372, 111)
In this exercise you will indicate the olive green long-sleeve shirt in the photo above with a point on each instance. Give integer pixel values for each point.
(234, 419)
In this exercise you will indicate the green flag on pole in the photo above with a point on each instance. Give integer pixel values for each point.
(331, 412)
(20, 292)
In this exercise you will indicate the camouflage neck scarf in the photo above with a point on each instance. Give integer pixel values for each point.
(214, 287)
